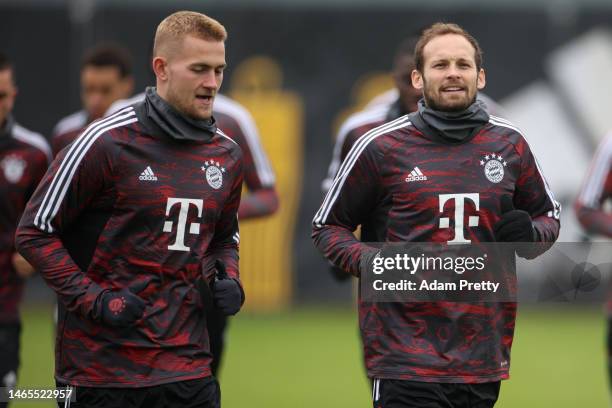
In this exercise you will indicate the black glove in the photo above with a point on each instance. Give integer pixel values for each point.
(514, 225)
(120, 308)
(227, 293)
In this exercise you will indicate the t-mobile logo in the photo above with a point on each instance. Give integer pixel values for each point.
(194, 227)
(459, 200)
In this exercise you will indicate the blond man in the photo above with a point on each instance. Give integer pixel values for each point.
(135, 228)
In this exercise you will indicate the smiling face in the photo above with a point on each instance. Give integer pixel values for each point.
(189, 77)
(450, 78)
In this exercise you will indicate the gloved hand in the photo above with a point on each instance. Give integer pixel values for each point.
(514, 225)
(120, 308)
(227, 293)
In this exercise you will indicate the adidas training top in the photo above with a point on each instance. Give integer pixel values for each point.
(127, 206)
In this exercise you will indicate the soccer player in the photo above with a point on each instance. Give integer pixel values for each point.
(592, 214)
(135, 228)
(437, 354)
(24, 157)
(260, 200)
(386, 107)
(106, 76)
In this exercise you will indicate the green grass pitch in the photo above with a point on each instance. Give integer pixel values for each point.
(311, 357)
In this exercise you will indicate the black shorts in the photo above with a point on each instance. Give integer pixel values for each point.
(198, 393)
(9, 355)
(217, 324)
(388, 393)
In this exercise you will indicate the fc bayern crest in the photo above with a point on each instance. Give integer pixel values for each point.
(493, 167)
(214, 173)
(13, 167)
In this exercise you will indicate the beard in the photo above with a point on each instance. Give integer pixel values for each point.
(436, 101)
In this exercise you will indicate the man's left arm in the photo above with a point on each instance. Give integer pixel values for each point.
(223, 248)
(533, 195)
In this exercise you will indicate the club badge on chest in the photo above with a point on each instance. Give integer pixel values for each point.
(493, 167)
(214, 173)
(13, 167)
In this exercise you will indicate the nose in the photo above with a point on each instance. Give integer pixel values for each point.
(209, 80)
(452, 71)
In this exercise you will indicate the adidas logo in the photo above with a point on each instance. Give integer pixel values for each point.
(147, 175)
(416, 175)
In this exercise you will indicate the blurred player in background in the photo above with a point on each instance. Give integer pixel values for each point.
(24, 157)
(437, 354)
(106, 76)
(135, 228)
(398, 102)
(593, 215)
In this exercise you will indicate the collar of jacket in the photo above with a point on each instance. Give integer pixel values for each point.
(173, 124)
(450, 127)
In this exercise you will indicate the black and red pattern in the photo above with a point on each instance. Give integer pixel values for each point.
(24, 157)
(95, 223)
(596, 190)
(237, 123)
(375, 187)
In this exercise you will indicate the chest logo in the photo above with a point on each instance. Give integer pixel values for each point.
(13, 167)
(416, 175)
(493, 167)
(214, 174)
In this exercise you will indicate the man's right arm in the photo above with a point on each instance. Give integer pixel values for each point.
(72, 183)
(351, 197)
(596, 188)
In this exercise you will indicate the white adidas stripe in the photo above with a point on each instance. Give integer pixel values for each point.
(349, 162)
(61, 180)
(355, 146)
(556, 205)
(418, 171)
(220, 133)
(598, 174)
(356, 120)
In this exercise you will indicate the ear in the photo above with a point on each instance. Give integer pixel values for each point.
(481, 79)
(160, 68)
(417, 79)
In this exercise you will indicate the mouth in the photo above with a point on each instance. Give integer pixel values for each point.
(452, 90)
(204, 98)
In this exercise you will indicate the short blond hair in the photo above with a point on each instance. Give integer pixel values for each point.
(182, 23)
